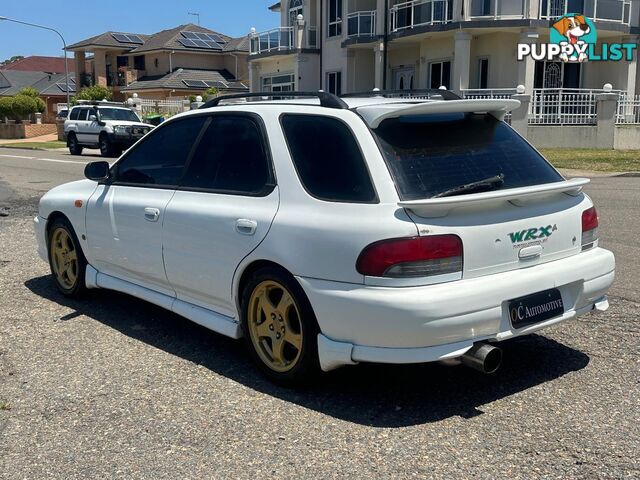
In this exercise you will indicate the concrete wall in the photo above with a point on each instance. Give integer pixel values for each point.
(500, 49)
(360, 71)
(627, 137)
(570, 136)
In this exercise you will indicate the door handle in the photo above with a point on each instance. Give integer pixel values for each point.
(151, 214)
(246, 227)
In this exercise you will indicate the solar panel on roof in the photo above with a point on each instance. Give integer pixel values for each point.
(135, 39)
(200, 44)
(63, 87)
(125, 38)
(195, 83)
(217, 38)
(191, 35)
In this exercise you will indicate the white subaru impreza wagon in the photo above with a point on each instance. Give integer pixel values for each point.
(330, 231)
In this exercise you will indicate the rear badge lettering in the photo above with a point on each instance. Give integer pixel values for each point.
(532, 236)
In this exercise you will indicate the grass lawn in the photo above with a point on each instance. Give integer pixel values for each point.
(594, 160)
(35, 145)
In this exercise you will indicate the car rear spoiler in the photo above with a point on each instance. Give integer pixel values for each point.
(375, 114)
(439, 207)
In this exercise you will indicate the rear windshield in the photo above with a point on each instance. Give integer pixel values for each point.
(431, 154)
(121, 114)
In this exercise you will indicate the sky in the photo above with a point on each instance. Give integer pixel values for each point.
(86, 18)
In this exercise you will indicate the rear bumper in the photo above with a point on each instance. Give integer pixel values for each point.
(420, 324)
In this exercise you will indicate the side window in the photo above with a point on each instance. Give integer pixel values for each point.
(160, 157)
(74, 114)
(231, 157)
(82, 114)
(328, 159)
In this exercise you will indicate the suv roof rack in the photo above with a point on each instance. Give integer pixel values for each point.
(326, 99)
(425, 92)
(98, 103)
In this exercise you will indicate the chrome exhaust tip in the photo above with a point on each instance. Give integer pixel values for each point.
(483, 357)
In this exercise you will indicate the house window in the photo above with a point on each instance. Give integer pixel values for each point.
(278, 83)
(440, 74)
(334, 83)
(295, 9)
(335, 18)
(483, 72)
(138, 62)
(122, 61)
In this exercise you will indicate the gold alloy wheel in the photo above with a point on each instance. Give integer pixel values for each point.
(64, 258)
(274, 326)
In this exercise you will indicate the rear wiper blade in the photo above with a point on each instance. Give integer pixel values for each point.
(495, 181)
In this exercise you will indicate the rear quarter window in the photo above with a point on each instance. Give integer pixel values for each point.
(74, 114)
(430, 154)
(327, 158)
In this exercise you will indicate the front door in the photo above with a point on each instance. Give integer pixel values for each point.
(221, 212)
(125, 216)
(403, 78)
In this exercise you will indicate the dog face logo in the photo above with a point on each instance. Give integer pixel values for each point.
(572, 27)
(573, 32)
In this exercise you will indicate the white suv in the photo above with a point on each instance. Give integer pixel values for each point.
(334, 232)
(110, 127)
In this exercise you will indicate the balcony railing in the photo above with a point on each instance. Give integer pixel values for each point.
(498, 9)
(417, 13)
(598, 10)
(281, 39)
(272, 40)
(361, 24)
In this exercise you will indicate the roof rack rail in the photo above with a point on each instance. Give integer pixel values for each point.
(327, 100)
(430, 92)
(100, 102)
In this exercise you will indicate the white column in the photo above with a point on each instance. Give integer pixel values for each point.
(378, 52)
(254, 77)
(461, 61)
(526, 67)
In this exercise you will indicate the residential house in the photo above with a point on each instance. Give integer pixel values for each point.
(185, 60)
(52, 87)
(355, 45)
(39, 63)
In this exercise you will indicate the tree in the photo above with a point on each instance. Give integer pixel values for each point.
(8, 61)
(23, 106)
(94, 93)
(35, 95)
(6, 107)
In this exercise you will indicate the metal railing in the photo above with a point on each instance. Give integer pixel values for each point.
(277, 39)
(598, 10)
(498, 9)
(563, 106)
(416, 13)
(628, 110)
(164, 107)
(361, 24)
(471, 93)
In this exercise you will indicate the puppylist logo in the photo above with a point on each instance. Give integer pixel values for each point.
(573, 38)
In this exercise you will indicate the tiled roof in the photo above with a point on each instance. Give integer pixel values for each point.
(169, 39)
(11, 82)
(107, 39)
(222, 79)
(36, 63)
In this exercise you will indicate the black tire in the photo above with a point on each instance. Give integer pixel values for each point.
(107, 149)
(307, 365)
(62, 281)
(74, 147)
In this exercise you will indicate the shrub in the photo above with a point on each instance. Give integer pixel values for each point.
(6, 107)
(94, 93)
(29, 92)
(210, 93)
(23, 106)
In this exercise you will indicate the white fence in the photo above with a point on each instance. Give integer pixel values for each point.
(490, 93)
(562, 106)
(628, 111)
(165, 107)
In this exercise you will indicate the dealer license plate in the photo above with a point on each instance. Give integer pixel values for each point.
(535, 308)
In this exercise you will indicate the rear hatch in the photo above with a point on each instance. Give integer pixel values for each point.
(471, 175)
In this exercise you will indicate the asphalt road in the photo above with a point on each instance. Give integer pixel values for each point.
(112, 387)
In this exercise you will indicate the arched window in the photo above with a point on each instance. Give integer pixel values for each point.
(295, 9)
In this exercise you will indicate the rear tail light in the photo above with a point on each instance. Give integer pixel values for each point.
(412, 257)
(589, 228)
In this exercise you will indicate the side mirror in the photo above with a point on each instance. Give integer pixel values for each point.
(97, 171)
(92, 118)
